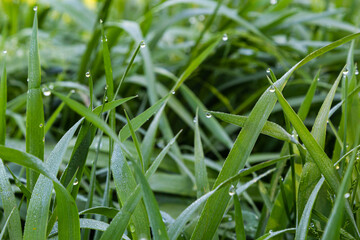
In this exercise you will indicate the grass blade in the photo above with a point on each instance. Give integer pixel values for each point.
(34, 107)
(6, 224)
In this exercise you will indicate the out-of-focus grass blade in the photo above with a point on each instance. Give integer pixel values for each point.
(239, 153)
(202, 183)
(7, 196)
(38, 209)
(152, 207)
(177, 226)
(139, 120)
(305, 106)
(106, 211)
(239, 223)
(3, 103)
(270, 128)
(6, 223)
(195, 63)
(69, 226)
(332, 229)
(35, 137)
(318, 155)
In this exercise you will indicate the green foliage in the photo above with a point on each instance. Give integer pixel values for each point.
(160, 122)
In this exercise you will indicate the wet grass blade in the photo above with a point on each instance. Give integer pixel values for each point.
(239, 153)
(6, 224)
(239, 223)
(69, 226)
(270, 128)
(202, 183)
(35, 137)
(38, 209)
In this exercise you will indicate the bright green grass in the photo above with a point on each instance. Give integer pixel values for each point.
(179, 119)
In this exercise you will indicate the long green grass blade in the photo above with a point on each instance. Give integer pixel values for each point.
(6, 224)
(35, 138)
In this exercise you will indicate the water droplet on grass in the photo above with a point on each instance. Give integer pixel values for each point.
(208, 115)
(346, 72)
(4, 52)
(273, 2)
(87, 74)
(101, 21)
(142, 44)
(232, 190)
(347, 195)
(132, 227)
(225, 37)
(72, 91)
(172, 92)
(41, 125)
(272, 89)
(35, 8)
(106, 99)
(268, 70)
(76, 182)
(194, 120)
(46, 92)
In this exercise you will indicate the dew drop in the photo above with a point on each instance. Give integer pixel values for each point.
(268, 70)
(271, 232)
(27, 79)
(106, 87)
(101, 21)
(172, 92)
(272, 88)
(4, 52)
(46, 92)
(208, 115)
(43, 139)
(346, 72)
(232, 190)
(337, 167)
(76, 182)
(273, 2)
(225, 37)
(312, 225)
(87, 74)
(51, 86)
(72, 91)
(142, 44)
(106, 99)
(35, 8)
(132, 227)
(347, 195)
(41, 125)
(356, 72)
(194, 120)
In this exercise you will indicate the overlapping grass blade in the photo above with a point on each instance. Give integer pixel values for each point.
(69, 226)
(6, 224)
(239, 223)
(38, 209)
(270, 128)
(244, 143)
(318, 155)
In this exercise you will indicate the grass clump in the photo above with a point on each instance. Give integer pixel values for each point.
(179, 120)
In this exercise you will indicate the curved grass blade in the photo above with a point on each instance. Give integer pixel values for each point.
(69, 226)
(35, 137)
(270, 128)
(239, 153)
(277, 233)
(38, 209)
(6, 224)
(106, 211)
(3, 103)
